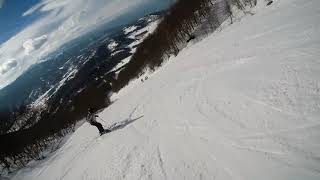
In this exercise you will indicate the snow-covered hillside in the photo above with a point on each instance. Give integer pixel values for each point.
(242, 104)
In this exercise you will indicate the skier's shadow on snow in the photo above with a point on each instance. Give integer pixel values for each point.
(123, 124)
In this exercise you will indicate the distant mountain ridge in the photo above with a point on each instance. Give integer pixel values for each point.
(62, 74)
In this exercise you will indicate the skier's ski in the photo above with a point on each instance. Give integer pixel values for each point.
(105, 132)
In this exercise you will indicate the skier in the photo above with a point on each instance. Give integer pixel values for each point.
(91, 118)
(269, 2)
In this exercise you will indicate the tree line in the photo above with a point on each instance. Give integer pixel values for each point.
(173, 32)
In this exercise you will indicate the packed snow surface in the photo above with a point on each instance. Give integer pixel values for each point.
(242, 104)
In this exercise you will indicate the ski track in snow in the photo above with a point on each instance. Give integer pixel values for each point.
(244, 103)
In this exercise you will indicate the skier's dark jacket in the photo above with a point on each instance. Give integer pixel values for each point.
(91, 118)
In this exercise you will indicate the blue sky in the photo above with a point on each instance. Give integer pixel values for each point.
(32, 29)
(11, 19)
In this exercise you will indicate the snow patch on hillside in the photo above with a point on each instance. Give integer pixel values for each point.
(130, 29)
(112, 45)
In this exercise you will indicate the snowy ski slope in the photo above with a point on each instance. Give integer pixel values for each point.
(242, 104)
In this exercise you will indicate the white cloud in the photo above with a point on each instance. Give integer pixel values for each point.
(63, 21)
(46, 5)
(32, 9)
(7, 66)
(34, 44)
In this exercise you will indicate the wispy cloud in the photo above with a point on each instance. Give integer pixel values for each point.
(34, 44)
(63, 21)
(1, 3)
(7, 66)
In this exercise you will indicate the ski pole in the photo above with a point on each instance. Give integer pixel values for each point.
(100, 118)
